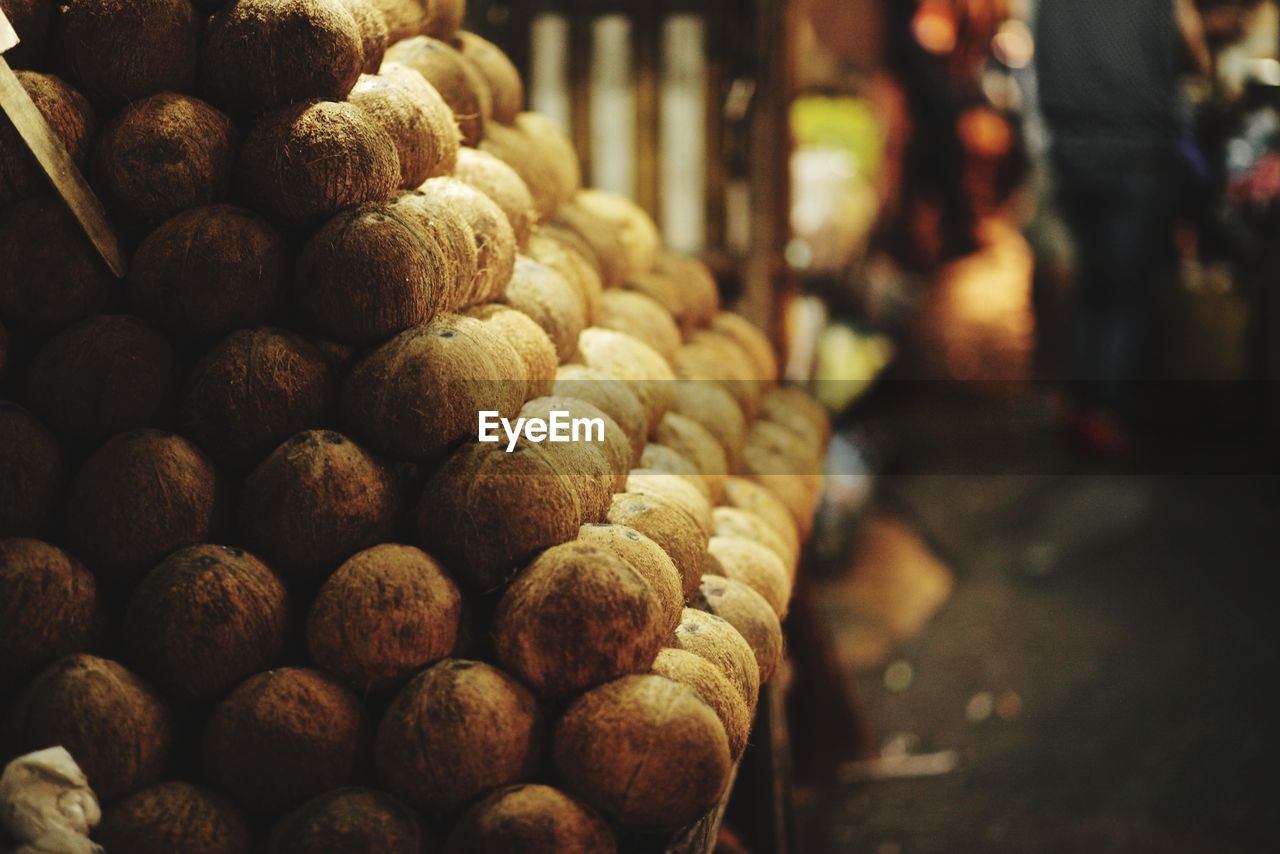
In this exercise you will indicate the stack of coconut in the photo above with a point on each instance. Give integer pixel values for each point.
(257, 574)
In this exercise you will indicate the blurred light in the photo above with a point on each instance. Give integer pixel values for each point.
(1013, 44)
(934, 28)
(980, 707)
(1009, 706)
(899, 676)
(799, 254)
(1265, 71)
(1002, 90)
(985, 132)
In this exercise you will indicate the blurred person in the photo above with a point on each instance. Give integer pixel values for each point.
(1108, 90)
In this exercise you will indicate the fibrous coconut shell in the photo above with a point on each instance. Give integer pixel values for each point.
(701, 295)
(574, 266)
(597, 447)
(749, 613)
(530, 162)
(536, 350)
(609, 394)
(457, 80)
(531, 818)
(547, 296)
(675, 490)
(549, 138)
(506, 89)
(752, 339)
(717, 641)
(352, 819)
(641, 318)
(669, 527)
(632, 360)
(712, 406)
(65, 110)
(30, 472)
(657, 457)
(736, 522)
(713, 688)
(171, 817)
(695, 443)
(417, 119)
(756, 566)
(499, 182)
(48, 608)
(374, 36)
(647, 558)
(495, 241)
(747, 495)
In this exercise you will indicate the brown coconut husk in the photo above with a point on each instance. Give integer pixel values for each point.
(208, 271)
(404, 18)
(119, 51)
(547, 297)
(606, 461)
(253, 390)
(735, 522)
(677, 491)
(32, 20)
(30, 472)
(444, 224)
(140, 496)
(597, 239)
(68, 115)
(669, 527)
(100, 377)
(666, 291)
(456, 79)
(445, 19)
(48, 610)
(711, 357)
(163, 155)
(752, 340)
(418, 395)
(578, 616)
(499, 182)
(540, 506)
(756, 566)
(117, 729)
(374, 35)
(647, 558)
(417, 119)
(706, 635)
(660, 458)
(778, 459)
(379, 269)
(630, 359)
(282, 737)
(258, 55)
(505, 86)
(749, 613)
(530, 817)
(800, 413)
(307, 161)
(633, 244)
(698, 445)
(713, 688)
(458, 730)
(530, 162)
(386, 613)
(205, 618)
(645, 751)
(747, 495)
(557, 151)
(169, 817)
(536, 350)
(51, 275)
(712, 406)
(351, 819)
(318, 499)
(495, 241)
(642, 318)
(609, 394)
(574, 266)
(701, 295)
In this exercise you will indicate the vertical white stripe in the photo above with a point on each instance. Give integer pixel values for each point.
(549, 68)
(683, 146)
(613, 106)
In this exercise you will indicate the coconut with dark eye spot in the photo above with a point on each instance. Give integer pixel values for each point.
(205, 618)
(351, 819)
(171, 817)
(609, 394)
(735, 522)
(499, 182)
(669, 527)
(755, 566)
(647, 558)
(743, 494)
(495, 241)
(706, 635)
(535, 348)
(713, 688)
(457, 80)
(547, 297)
(30, 472)
(749, 613)
(417, 119)
(530, 817)
(660, 458)
(48, 607)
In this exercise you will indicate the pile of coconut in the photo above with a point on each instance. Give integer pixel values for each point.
(257, 574)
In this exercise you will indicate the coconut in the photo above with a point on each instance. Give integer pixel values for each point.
(578, 616)
(647, 558)
(530, 817)
(109, 720)
(118, 51)
(499, 182)
(386, 613)
(550, 300)
(51, 275)
(574, 266)
(68, 115)
(776, 458)
(713, 407)
(751, 339)
(747, 495)
(675, 490)
(209, 270)
(536, 350)
(713, 688)
(666, 291)
(601, 452)
(374, 36)
(695, 443)
(495, 241)
(48, 609)
(283, 736)
(735, 522)
(456, 79)
(261, 54)
(487, 512)
(353, 819)
(419, 394)
(609, 394)
(749, 613)
(32, 20)
(706, 635)
(306, 161)
(379, 269)
(755, 566)
(557, 151)
(411, 111)
(711, 357)
(540, 175)
(318, 499)
(622, 237)
(660, 458)
(30, 471)
(458, 730)
(632, 360)
(642, 318)
(596, 239)
(104, 375)
(505, 86)
(446, 226)
(445, 19)
(669, 527)
(801, 414)
(139, 497)
(205, 618)
(404, 18)
(645, 751)
(163, 155)
(700, 294)
(169, 817)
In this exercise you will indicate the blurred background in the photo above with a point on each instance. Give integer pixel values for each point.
(1028, 255)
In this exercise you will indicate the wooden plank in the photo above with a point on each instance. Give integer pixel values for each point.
(647, 25)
